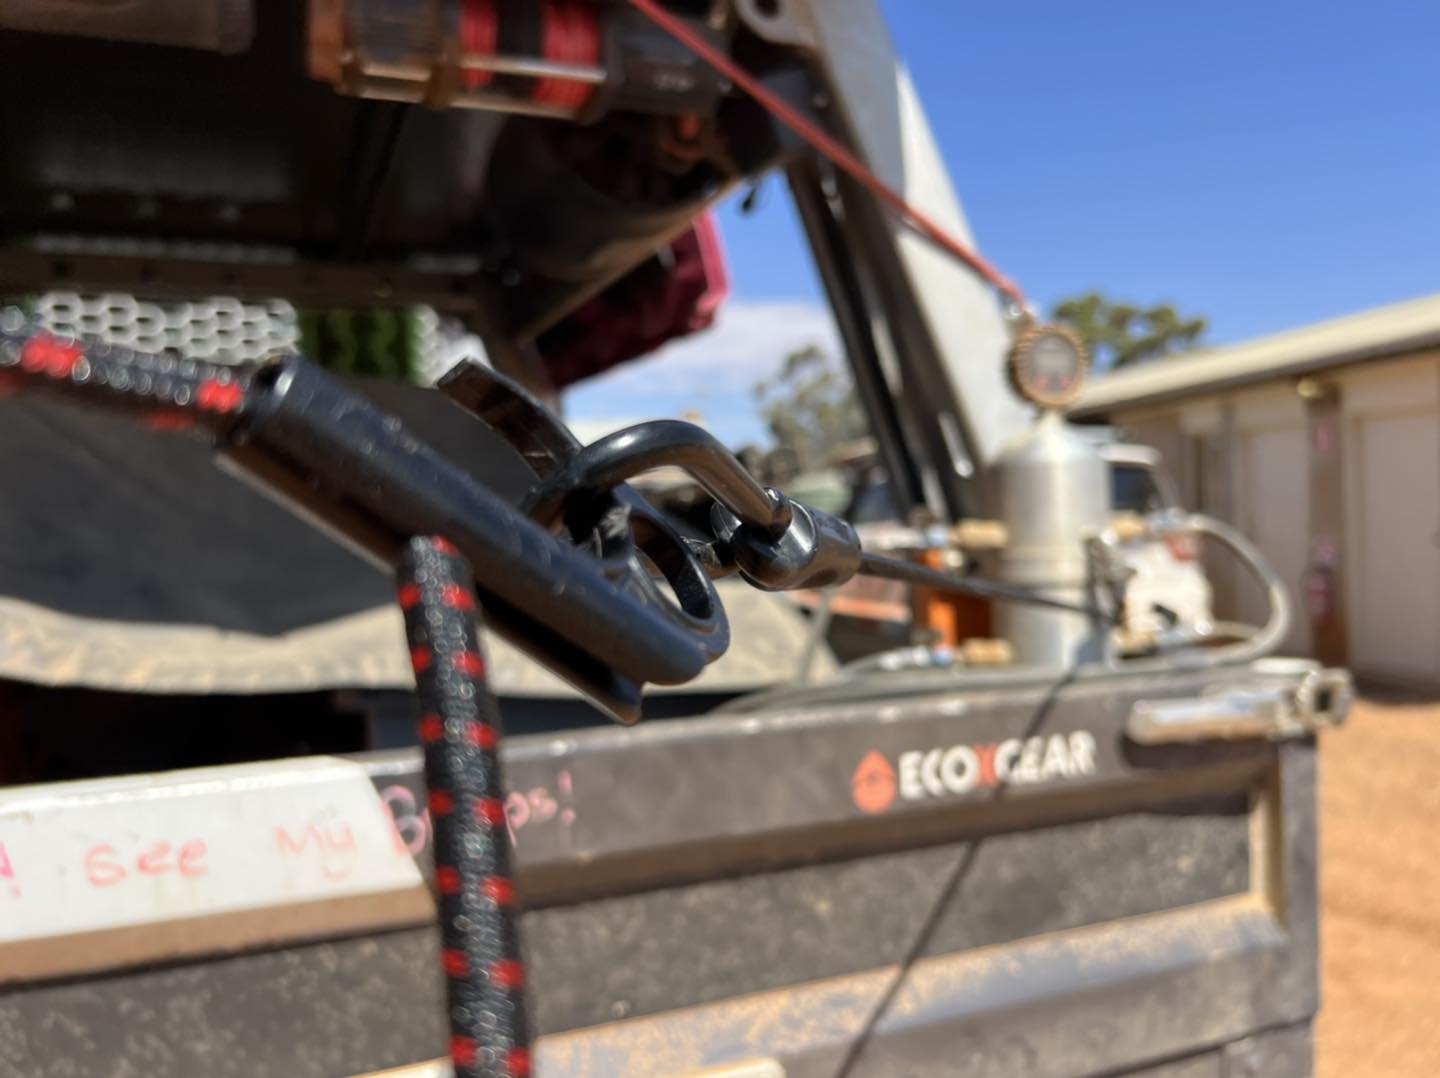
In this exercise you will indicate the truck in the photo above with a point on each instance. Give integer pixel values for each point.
(216, 855)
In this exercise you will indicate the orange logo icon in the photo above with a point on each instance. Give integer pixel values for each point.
(873, 785)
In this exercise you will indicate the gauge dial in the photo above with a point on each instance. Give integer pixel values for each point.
(1048, 365)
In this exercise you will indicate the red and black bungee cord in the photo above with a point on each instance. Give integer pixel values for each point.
(169, 393)
(474, 867)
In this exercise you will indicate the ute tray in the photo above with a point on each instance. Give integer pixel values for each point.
(982, 882)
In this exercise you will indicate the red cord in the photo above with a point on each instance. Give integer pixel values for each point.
(572, 36)
(479, 33)
(829, 148)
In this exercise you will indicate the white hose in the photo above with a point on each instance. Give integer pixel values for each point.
(1259, 643)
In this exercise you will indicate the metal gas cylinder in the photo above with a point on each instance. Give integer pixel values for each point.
(1053, 490)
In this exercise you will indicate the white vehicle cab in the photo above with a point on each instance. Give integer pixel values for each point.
(1168, 588)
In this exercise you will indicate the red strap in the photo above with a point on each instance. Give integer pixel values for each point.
(479, 30)
(830, 149)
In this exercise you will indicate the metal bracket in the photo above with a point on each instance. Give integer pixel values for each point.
(779, 22)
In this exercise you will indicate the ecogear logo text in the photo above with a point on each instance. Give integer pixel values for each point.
(961, 769)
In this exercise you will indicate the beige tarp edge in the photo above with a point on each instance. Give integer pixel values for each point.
(361, 651)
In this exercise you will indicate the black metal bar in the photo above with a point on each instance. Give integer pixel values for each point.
(474, 865)
(568, 609)
(854, 317)
(175, 272)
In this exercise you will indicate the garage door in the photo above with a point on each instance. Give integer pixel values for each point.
(1274, 488)
(1395, 592)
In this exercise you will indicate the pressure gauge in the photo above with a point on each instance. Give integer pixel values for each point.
(1047, 365)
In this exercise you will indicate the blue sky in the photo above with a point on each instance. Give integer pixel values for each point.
(1263, 164)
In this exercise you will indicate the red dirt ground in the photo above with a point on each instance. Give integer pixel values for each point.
(1380, 881)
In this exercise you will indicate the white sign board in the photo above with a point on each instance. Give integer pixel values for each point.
(188, 848)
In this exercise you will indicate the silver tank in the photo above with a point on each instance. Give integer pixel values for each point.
(1053, 489)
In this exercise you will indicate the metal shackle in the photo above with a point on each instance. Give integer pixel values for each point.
(810, 549)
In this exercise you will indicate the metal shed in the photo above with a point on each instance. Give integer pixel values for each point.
(1323, 443)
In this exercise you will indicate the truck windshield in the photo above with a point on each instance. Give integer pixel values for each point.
(1133, 489)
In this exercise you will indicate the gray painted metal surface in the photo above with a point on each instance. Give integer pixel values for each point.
(713, 890)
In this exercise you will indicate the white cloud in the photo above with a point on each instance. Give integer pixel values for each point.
(713, 372)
